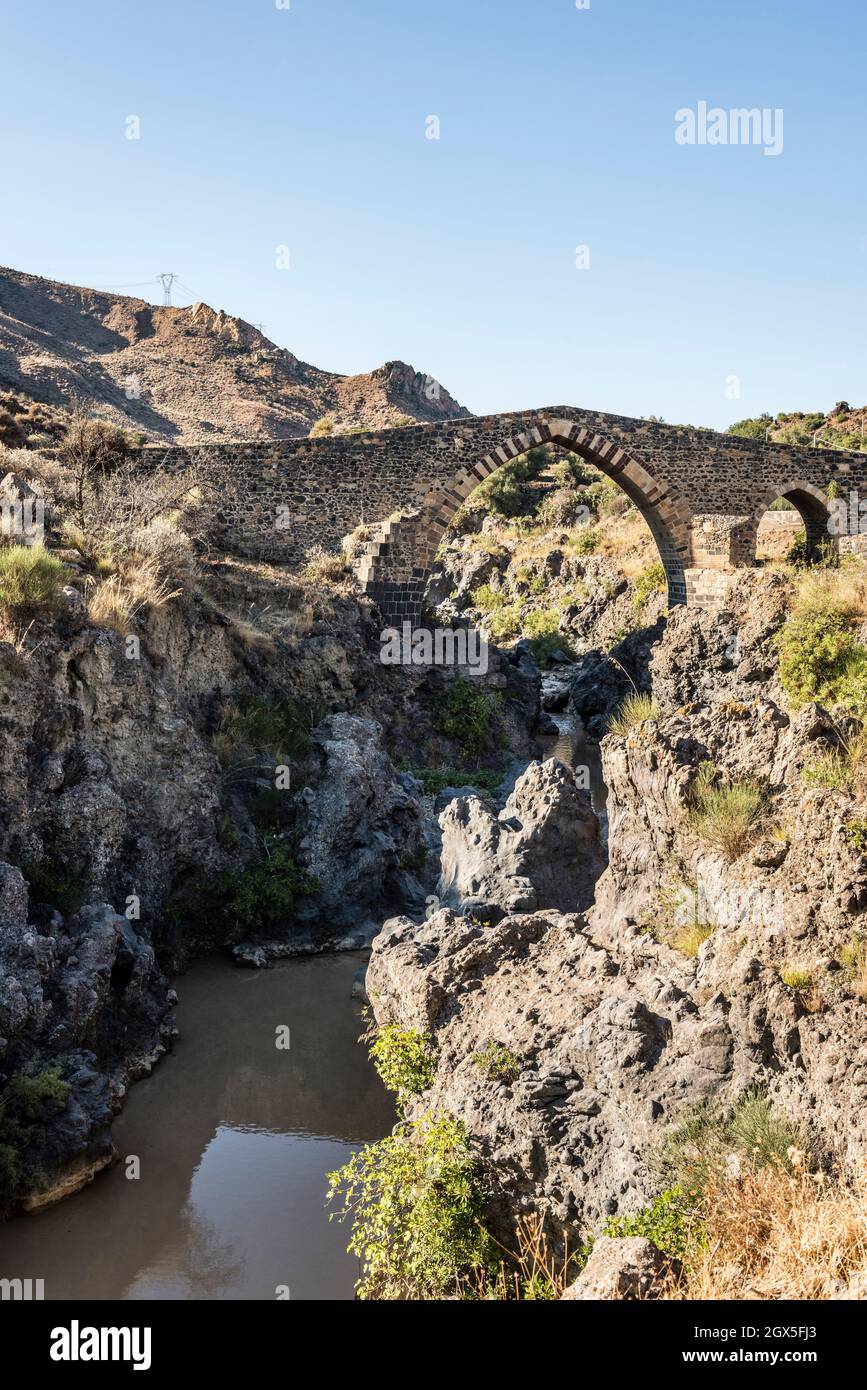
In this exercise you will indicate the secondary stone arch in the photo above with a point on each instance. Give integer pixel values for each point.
(397, 562)
(810, 501)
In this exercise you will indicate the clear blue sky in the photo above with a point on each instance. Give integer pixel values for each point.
(306, 127)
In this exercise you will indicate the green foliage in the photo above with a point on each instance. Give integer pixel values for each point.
(466, 715)
(322, 427)
(853, 956)
(650, 581)
(752, 429)
(498, 1062)
(635, 710)
(505, 493)
(30, 577)
(416, 1202)
(435, 779)
(724, 815)
(29, 1098)
(855, 834)
(762, 1136)
(237, 902)
(280, 728)
(404, 1061)
(542, 627)
(798, 977)
(585, 540)
(570, 471)
(505, 623)
(820, 659)
(832, 771)
(670, 1222)
(489, 600)
(691, 937)
(263, 894)
(605, 498)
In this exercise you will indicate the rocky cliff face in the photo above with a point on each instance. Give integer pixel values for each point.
(141, 805)
(703, 969)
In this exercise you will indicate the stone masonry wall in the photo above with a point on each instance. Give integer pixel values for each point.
(280, 498)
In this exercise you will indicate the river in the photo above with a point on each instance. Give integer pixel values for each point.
(235, 1137)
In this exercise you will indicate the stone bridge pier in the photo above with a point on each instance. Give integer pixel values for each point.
(702, 494)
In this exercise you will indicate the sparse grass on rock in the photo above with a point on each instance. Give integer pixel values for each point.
(30, 578)
(726, 815)
(636, 709)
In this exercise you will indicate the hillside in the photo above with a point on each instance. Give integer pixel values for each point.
(844, 427)
(200, 374)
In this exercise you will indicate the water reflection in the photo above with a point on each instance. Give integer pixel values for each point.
(235, 1137)
(572, 747)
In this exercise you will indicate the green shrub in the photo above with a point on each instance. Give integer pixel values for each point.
(820, 659)
(669, 1222)
(30, 577)
(322, 427)
(280, 728)
(724, 815)
(650, 581)
(752, 429)
(488, 600)
(505, 623)
(505, 493)
(855, 835)
(404, 1061)
(416, 1200)
(797, 977)
(29, 1098)
(542, 627)
(435, 779)
(585, 540)
(635, 710)
(263, 894)
(498, 1062)
(466, 715)
(832, 771)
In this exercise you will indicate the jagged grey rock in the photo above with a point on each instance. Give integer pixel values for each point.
(542, 850)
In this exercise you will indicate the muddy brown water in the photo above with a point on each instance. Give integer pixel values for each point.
(235, 1138)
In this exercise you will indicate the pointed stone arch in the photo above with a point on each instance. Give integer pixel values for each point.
(397, 562)
(810, 501)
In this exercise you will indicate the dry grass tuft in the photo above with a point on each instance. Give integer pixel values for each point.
(327, 567)
(115, 601)
(777, 1235)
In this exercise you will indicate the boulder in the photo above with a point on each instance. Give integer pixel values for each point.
(622, 1268)
(543, 850)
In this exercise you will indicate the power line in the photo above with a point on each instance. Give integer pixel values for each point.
(135, 285)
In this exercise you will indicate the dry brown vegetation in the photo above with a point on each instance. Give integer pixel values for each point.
(778, 1235)
(115, 601)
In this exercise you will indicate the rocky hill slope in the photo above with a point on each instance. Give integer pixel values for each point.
(187, 374)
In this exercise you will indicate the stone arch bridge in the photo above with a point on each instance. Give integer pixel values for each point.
(702, 494)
